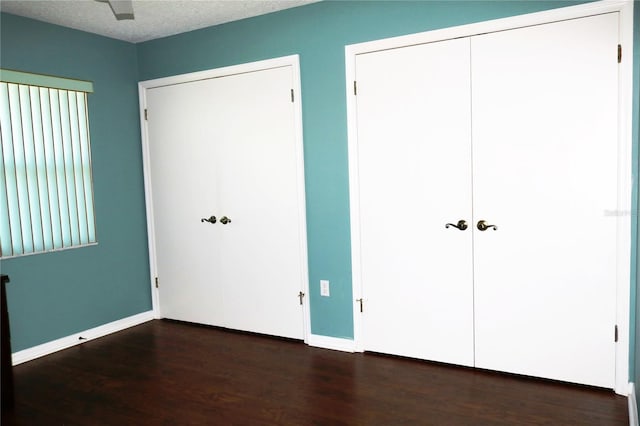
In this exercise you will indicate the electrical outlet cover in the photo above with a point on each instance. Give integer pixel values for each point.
(324, 288)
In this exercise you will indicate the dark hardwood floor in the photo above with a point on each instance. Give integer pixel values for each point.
(169, 373)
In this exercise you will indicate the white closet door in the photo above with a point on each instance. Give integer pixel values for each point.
(182, 156)
(544, 166)
(227, 146)
(414, 177)
(262, 261)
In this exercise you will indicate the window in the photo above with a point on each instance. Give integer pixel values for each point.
(46, 193)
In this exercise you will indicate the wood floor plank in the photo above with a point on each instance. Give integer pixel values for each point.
(170, 373)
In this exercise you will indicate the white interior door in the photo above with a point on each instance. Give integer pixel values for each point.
(182, 158)
(228, 146)
(414, 169)
(544, 171)
(262, 263)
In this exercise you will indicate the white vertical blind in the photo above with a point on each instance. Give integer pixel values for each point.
(46, 194)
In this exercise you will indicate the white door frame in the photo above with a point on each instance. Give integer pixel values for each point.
(625, 182)
(285, 61)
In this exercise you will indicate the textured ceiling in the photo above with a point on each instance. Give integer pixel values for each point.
(153, 18)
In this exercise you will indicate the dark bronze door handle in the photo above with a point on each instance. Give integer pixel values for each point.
(224, 220)
(461, 225)
(483, 226)
(211, 220)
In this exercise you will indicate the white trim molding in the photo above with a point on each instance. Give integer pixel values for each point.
(625, 179)
(633, 405)
(333, 343)
(80, 338)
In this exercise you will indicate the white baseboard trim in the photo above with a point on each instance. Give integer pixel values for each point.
(334, 343)
(79, 338)
(633, 405)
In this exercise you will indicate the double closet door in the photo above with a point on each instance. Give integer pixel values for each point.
(228, 213)
(486, 168)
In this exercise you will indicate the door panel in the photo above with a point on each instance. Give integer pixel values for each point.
(227, 147)
(258, 144)
(544, 171)
(414, 177)
(182, 156)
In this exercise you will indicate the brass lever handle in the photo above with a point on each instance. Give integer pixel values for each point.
(211, 220)
(224, 220)
(461, 225)
(483, 226)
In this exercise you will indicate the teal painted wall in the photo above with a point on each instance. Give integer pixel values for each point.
(318, 33)
(634, 330)
(57, 294)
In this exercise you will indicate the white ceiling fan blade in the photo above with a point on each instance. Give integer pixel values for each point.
(122, 9)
